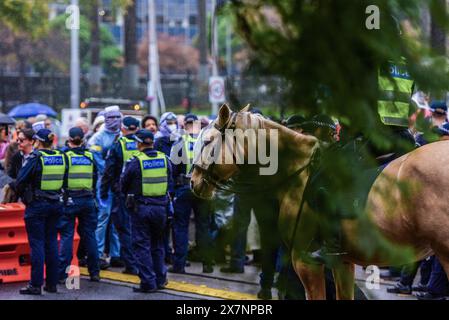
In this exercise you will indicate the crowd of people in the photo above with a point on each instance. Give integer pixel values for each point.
(127, 218)
(134, 206)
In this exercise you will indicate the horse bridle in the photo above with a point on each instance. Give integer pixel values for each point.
(208, 177)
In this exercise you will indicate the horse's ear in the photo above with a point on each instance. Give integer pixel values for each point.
(223, 115)
(246, 109)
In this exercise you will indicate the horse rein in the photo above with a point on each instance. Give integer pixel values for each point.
(209, 178)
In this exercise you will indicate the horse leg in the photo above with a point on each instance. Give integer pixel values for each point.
(312, 277)
(344, 280)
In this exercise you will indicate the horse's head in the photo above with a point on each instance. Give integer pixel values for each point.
(211, 164)
(232, 140)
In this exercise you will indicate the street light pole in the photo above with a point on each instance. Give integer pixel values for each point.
(214, 49)
(74, 12)
(229, 50)
(152, 63)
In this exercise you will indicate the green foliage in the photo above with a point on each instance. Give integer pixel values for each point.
(25, 15)
(331, 59)
(225, 19)
(110, 53)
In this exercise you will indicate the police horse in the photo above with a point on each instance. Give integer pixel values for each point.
(415, 222)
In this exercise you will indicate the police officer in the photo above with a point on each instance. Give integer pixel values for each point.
(184, 202)
(39, 184)
(395, 92)
(79, 203)
(122, 151)
(394, 102)
(145, 181)
(164, 140)
(395, 106)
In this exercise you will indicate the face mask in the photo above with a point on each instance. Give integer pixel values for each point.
(172, 127)
(113, 124)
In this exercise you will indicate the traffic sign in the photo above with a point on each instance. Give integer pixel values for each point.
(217, 90)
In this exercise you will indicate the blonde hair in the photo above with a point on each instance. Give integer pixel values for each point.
(51, 136)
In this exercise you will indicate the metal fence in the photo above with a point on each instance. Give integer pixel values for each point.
(180, 91)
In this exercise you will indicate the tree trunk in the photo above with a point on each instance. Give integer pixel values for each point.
(203, 70)
(437, 38)
(95, 67)
(22, 69)
(438, 44)
(131, 70)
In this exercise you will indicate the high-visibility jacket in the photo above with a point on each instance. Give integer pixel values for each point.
(53, 170)
(129, 148)
(81, 170)
(154, 174)
(189, 143)
(395, 86)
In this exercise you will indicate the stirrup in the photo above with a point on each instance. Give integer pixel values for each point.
(322, 256)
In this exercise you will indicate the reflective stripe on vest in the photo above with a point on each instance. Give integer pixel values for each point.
(395, 95)
(53, 170)
(189, 143)
(81, 171)
(129, 148)
(154, 174)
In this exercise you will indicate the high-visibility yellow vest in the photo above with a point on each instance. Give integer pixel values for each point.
(154, 174)
(129, 148)
(81, 171)
(189, 143)
(53, 170)
(395, 95)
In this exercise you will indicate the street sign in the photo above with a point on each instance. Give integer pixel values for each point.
(217, 90)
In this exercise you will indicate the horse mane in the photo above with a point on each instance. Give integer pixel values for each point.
(298, 147)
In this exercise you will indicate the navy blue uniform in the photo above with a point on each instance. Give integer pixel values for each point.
(41, 217)
(438, 283)
(119, 213)
(184, 202)
(84, 208)
(148, 221)
(164, 144)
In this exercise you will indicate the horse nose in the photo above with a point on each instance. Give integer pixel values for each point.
(191, 184)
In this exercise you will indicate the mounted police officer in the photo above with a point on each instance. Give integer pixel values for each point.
(39, 184)
(184, 202)
(123, 150)
(79, 203)
(394, 106)
(145, 180)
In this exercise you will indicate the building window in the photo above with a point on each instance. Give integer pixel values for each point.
(193, 20)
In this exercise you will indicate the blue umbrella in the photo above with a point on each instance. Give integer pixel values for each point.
(6, 120)
(32, 110)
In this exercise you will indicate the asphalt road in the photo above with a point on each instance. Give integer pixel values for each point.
(191, 286)
(105, 290)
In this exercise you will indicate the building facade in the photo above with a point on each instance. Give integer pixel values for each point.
(173, 17)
